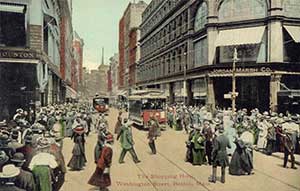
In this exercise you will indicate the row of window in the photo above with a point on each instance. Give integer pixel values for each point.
(161, 13)
(172, 31)
(172, 62)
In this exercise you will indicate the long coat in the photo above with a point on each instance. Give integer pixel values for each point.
(153, 129)
(126, 137)
(198, 149)
(219, 153)
(101, 176)
(25, 180)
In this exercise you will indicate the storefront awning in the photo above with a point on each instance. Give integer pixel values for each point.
(12, 8)
(250, 35)
(71, 93)
(294, 31)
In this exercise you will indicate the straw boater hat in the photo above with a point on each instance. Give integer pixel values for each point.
(9, 171)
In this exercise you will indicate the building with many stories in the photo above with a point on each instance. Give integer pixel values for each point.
(112, 77)
(187, 48)
(35, 66)
(129, 53)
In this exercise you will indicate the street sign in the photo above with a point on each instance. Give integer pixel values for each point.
(227, 96)
(230, 95)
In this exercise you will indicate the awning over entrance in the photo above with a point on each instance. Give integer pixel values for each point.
(71, 93)
(294, 31)
(14, 8)
(231, 37)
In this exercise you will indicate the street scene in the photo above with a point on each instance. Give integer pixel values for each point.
(149, 95)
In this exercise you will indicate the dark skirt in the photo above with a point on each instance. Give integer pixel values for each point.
(78, 159)
(241, 162)
(99, 179)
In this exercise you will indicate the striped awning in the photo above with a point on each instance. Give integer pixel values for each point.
(294, 31)
(241, 36)
(71, 93)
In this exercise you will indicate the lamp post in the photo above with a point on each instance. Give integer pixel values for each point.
(233, 96)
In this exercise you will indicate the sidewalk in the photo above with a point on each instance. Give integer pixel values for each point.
(281, 156)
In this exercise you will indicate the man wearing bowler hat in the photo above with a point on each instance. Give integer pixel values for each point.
(219, 155)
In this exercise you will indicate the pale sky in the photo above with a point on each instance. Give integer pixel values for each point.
(97, 22)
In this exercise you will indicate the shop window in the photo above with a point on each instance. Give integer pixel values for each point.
(291, 8)
(201, 53)
(201, 17)
(291, 48)
(12, 26)
(246, 52)
(236, 10)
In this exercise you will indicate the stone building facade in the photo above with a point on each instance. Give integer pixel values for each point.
(128, 46)
(187, 48)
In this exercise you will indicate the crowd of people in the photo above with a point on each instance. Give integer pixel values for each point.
(31, 156)
(267, 132)
(31, 145)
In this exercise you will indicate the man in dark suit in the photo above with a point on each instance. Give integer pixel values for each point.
(219, 155)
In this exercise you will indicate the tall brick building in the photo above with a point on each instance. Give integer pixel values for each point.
(78, 62)
(128, 44)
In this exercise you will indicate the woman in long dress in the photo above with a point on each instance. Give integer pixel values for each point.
(198, 148)
(78, 159)
(242, 159)
(101, 176)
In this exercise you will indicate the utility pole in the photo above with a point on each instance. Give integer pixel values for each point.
(233, 96)
(184, 79)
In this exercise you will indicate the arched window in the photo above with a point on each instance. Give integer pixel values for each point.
(291, 8)
(201, 17)
(236, 10)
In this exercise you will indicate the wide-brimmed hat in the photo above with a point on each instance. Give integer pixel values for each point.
(15, 145)
(217, 121)
(19, 110)
(3, 157)
(9, 171)
(18, 158)
(4, 138)
(43, 142)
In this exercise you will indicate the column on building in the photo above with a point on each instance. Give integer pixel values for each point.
(274, 89)
(171, 93)
(275, 32)
(212, 31)
(210, 94)
(189, 92)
